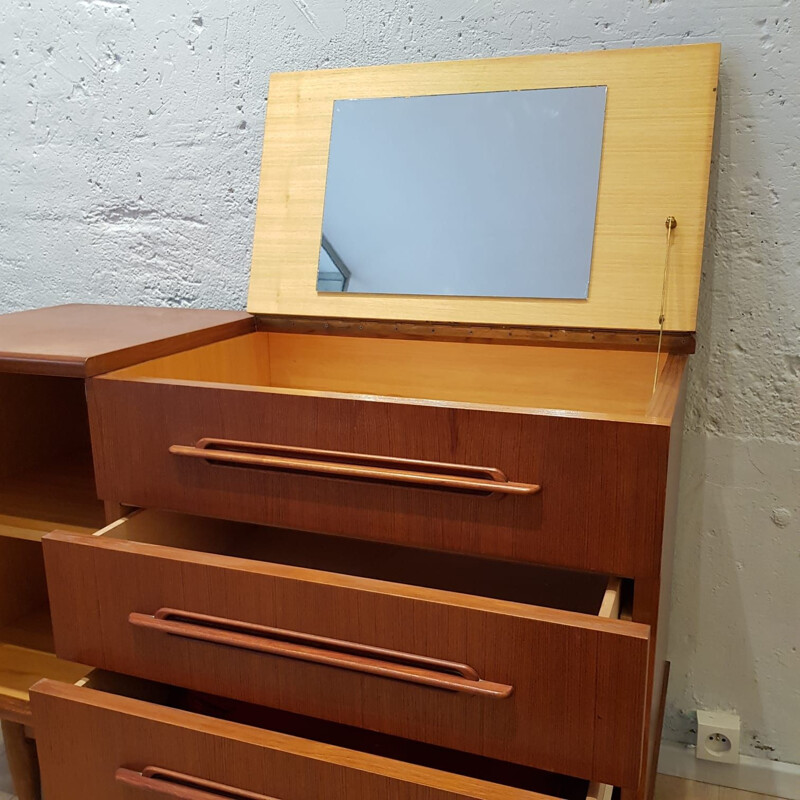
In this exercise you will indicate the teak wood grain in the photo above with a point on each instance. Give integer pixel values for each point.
(81, 340)
(87, 737)
(655, 162)
(600, 507)
(576, 678)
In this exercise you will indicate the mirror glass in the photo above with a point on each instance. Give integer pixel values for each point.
(490, 194)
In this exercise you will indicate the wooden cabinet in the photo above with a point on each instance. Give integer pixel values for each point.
(375, 556)
(47, 479)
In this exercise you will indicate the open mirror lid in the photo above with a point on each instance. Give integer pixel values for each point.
(655, 162)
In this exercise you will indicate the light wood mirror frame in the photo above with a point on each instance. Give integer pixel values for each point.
(655, 163)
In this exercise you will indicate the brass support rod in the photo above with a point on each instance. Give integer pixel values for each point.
(670, 223)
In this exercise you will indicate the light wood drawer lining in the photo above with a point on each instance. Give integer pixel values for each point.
(493, 579)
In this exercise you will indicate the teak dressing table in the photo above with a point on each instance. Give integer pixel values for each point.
(377, 557)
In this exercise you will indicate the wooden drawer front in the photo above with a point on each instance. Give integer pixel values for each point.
(99, 746)
(600, 506)
(553, 689)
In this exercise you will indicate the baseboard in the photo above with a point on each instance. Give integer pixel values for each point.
(760, 775)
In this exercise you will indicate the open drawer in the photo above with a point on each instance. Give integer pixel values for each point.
(125, 740)
(499, 659)
(550, 455)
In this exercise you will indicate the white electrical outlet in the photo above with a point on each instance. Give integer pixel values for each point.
(718, 736)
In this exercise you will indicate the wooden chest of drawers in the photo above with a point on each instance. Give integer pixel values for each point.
(385, 558)
(414, 582)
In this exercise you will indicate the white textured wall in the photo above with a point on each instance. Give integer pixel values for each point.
(130, 137)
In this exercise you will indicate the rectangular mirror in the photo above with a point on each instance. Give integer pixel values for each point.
(491, 194)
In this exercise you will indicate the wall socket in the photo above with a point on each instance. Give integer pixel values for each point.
(718, 736)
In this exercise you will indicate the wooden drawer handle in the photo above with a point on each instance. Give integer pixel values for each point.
(423, 670)
(186, 787)
(331, 463)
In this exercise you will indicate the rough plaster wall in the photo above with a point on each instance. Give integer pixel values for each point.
(130, 136)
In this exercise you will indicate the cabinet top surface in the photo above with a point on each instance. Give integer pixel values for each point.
(655, 164)
(84, 340)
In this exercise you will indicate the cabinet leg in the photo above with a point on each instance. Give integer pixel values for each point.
(22, 763)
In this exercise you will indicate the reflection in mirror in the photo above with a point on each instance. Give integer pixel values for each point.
(491, 194)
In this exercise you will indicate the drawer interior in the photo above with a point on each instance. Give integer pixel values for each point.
(573, 379)
(46, 482)
(503, 775)
(568, 590)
